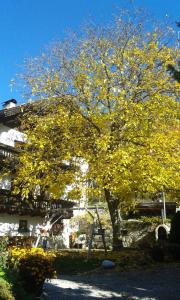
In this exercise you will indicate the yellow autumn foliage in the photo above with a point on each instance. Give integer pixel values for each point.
(107, 101)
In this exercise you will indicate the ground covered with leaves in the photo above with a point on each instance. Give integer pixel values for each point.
(75, 261)
(26, 269)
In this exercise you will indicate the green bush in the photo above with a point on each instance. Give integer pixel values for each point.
(151, 220)
(174, 236)
(5, 290)
(17, 286)
(4, 252)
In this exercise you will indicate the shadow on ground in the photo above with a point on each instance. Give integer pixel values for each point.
(157, 284)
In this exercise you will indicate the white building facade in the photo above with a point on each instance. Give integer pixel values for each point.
(14, 224)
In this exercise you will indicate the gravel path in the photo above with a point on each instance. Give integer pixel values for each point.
(156, 284)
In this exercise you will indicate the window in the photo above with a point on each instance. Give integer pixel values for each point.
(23, 226)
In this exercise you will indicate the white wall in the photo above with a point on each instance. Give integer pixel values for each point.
(9, 135)
(9, 224)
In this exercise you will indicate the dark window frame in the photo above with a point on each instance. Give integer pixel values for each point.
(23, 226)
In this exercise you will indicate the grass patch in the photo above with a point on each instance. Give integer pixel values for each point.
(75, 261)
(69, 262)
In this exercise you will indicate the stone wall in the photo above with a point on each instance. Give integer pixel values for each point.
(135, 232)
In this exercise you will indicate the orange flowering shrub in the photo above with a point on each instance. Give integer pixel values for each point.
(17, 253)
(34, 266)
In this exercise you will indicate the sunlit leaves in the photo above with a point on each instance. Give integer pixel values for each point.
(111, 103)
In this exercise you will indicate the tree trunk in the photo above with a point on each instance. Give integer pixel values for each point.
(115, 220)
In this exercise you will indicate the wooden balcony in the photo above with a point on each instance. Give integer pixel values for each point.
(13, 204)
(7, 152)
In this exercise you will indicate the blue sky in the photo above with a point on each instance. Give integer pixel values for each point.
(26, 26)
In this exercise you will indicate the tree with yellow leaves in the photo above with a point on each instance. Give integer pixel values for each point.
(105, 100)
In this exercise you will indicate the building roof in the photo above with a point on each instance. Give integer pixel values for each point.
(10, 116)
(10, 101)
(151, 207)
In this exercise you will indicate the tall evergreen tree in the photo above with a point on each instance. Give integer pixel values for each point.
(175, 70)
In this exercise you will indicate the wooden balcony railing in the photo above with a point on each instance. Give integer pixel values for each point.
(13, 204)
(7, 151)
